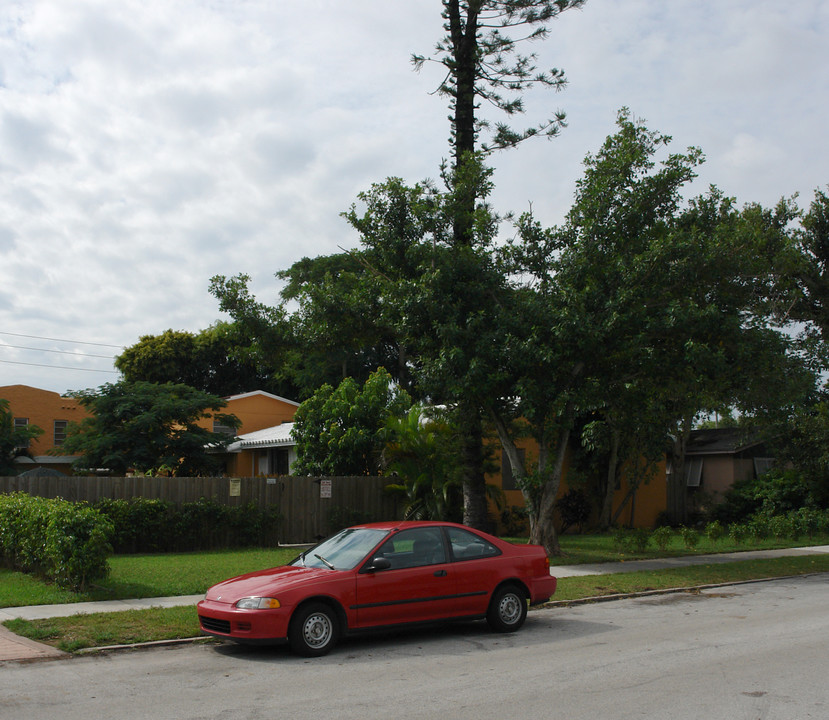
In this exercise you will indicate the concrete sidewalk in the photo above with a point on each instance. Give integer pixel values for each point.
(16, 648)
(563, 571)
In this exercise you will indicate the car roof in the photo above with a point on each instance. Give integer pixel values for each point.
(406, 524)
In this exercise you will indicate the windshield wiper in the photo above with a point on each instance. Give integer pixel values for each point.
(322, 559)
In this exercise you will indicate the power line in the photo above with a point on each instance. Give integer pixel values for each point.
(62, 352)
(74, 342)
(58, 367)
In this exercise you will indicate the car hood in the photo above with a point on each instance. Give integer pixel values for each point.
(267, 583)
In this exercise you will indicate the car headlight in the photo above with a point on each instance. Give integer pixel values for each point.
(257, 603)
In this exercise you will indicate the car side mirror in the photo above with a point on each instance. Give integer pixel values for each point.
(379, 563)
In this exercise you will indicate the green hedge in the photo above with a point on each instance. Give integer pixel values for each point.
(64, 541)
(144, 525)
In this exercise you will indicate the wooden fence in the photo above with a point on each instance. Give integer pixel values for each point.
(310, 508)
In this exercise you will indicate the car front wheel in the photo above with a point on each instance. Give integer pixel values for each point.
(314, 630)
(507, 609)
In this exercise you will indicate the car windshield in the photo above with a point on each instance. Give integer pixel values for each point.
(343, 551)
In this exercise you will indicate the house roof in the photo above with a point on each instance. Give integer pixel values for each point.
(720, 441)
(254, 393)
(276, 436)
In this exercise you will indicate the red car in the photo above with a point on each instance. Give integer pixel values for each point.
(387, 574)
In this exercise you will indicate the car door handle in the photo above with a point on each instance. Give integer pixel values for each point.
(440, 573)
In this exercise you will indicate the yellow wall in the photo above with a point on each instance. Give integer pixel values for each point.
(257, 410)
(42, 408)
(650, 501)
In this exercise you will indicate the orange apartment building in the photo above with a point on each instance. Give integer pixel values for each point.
(258, 411)
(52, 413)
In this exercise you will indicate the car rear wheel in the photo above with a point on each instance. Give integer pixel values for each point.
(314, 630)
(507, 609)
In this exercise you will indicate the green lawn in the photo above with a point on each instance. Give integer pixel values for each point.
(142, 576)
(147, 576)
(101, 629)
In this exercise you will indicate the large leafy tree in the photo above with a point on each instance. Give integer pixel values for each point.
(148, 427)
(340, 431)
(222, 360)
(636, 310)
(14, 441)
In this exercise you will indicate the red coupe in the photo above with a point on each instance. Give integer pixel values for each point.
(387, 574)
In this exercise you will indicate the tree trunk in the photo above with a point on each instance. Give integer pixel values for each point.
(540, 504)
(610, 489)
(475, 509)
(677, 507)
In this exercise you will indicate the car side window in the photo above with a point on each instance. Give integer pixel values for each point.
(414, 548)
(469, 546)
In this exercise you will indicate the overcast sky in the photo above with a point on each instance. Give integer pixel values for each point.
(147, 145)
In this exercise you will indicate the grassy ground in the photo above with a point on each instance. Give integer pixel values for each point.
(101, 629)
(134, 576)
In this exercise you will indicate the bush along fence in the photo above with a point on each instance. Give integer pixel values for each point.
(293, 510)
(63, 541)
(147, 525)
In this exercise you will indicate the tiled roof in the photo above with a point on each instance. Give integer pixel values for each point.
(276, 436)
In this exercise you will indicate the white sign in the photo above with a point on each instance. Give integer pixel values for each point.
(325, 488)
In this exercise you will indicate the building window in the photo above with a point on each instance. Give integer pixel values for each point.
(22, 424)
(60, 432)
(693, 472)
(223, 429)
(762, 465)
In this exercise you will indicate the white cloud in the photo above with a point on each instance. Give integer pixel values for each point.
(147, 146)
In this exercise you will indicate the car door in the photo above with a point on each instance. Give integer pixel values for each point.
(416, 587)
(475, 570)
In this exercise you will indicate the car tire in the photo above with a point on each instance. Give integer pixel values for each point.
(314, 630)
(507, 609)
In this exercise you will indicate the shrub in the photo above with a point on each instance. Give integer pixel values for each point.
(66, 542)
(758, 528)
(662, 536)
(146, 525)
(715, 531)
(738, 532)
(574, 509)
(689, 536)
(628, 540)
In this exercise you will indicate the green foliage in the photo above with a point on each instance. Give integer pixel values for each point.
(715, 531)
(13, 441)
(635, 540)
(145, 525)
(573, 508)
(739, 532)
(690, 537)
(340, 517)
(225, 359)
(777, 492)
(341, 431)
(480, 55)
(421, 450)
(662, 536)
(66, 542)
(143, 425)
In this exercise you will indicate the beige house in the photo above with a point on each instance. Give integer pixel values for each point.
(717, 458)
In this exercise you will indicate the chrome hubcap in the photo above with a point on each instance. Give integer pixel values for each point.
(317, 630)
(510, 608)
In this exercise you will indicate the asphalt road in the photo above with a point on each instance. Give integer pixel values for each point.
(741, 652)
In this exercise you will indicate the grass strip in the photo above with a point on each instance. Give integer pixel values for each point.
(135, 626)
(578, 588)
